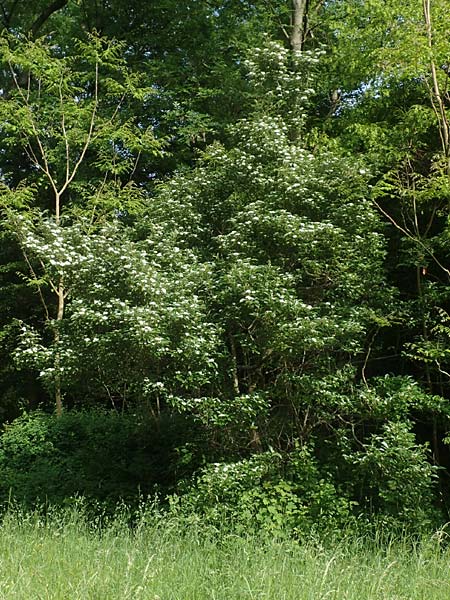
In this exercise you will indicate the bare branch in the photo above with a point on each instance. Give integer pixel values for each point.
(234, 365)
(34, 276)
(52, 285)
(136, 162)
(366, 359)
(412, 237)
(7, 16)
(88, 140)
(63, 128)
(45, 168)
(280, 23)
(443, 121)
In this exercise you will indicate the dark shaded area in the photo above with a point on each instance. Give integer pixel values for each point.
(100, 455)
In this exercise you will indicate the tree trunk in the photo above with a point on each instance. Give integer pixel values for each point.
(299, 24)
(59, 318)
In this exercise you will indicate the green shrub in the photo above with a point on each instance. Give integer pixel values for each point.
(396, 478)
(267, 492)
(101, 455)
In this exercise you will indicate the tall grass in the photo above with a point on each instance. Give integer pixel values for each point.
(68, 557)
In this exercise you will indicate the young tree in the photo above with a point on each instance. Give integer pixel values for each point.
(67, 115)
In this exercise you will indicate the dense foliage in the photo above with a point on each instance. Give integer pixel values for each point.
(224, 271)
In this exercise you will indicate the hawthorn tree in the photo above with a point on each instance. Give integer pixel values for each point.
(300, 294)
(135, 327)
(297, 251)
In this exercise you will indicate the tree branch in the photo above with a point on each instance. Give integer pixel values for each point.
(7, 16)
(88, 140)
(46, 14)
(33, 274)
(45, 166)
(412, 237)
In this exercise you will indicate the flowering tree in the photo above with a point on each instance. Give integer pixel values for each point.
(135, 326)
(67, 115)
(297, 251)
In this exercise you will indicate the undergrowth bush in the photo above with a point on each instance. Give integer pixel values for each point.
(390, 485)
(268, 492)
(395, 478)
(101, 455)
(107, 457)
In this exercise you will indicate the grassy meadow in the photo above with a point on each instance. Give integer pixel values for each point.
(67, 557)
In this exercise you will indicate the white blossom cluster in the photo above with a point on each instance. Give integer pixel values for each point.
(129, 307)
(282, 79)
(224, 411)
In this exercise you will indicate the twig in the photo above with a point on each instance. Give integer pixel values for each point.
(410, 236)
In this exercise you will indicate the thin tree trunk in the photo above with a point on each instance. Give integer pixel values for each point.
(437, 100)
(59, 318)
(234, 366)
(420, 294)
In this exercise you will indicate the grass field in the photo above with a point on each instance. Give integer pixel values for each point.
(68, 558)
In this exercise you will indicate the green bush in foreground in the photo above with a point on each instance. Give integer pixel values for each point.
(390, 482)
(101, 455)
(108, 457)
(267, 492)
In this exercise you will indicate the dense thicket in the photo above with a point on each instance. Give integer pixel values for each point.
(225, 257)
